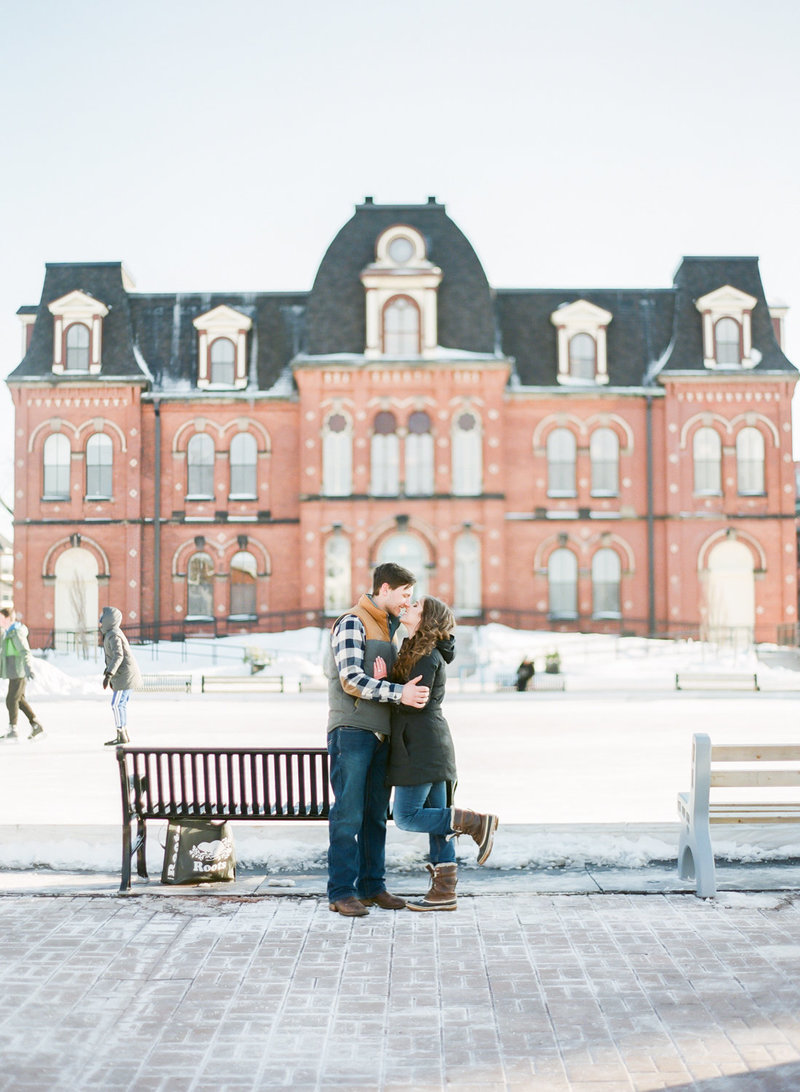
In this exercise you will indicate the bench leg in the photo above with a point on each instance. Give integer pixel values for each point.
(125, 878)
(696, 861)
(141, 848)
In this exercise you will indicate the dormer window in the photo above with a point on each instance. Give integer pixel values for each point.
(727, 328)
(78, 340)
(582, 357)
(222, 348)
(728, 342)
(77, 333)
(401, 327)
(401, 286)
(222, 362)
(581, 330)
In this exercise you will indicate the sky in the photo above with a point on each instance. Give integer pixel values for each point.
(221, 147)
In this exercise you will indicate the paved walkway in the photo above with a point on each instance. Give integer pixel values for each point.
(222, 991)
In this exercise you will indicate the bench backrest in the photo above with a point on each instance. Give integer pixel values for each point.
(219, 783)
(735, 765)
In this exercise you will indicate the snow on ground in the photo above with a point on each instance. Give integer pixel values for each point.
(585, 776)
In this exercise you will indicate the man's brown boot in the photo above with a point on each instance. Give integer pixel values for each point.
(349, 907)
(442, 892)
(479, 827)
(385, 901)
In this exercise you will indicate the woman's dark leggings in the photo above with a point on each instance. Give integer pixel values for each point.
(15, 700)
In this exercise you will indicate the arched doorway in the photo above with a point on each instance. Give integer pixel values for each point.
(409, 551)
(730, 594)
(76, 600)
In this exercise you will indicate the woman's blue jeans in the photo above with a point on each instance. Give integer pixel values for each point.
(422, 808)
(357, 821)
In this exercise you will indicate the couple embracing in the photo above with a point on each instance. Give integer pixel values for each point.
(386, 729)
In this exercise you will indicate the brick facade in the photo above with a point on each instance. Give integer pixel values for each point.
(469, 479)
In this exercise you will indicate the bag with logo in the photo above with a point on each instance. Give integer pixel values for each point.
(198, 851)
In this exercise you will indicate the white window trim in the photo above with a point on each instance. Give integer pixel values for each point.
(727, 302)
(581, 317)
(79, 307)
(222, 321)
(416, 278)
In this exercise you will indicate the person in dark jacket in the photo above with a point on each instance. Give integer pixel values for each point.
(422, 758)
(525, 673)
(122, 672)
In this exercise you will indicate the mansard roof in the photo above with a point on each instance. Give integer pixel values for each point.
(168, 341)
(336, 306)
(695, 278)
(637, 334)
(104, 281)
(151, 337)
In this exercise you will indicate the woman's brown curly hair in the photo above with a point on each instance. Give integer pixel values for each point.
(436, 623)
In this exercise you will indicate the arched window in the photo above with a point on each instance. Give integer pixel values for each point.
(604, 456)
(707, 450)
(419, 455)
(384, 452)
(467, 595)
(562, 584)
(401, 327)
(467, 455)
(222, 358)
(200, 466)
(337, 574)
(78, 348)
(337, 457)
(99, 465)
(561, 449)
(243, 585)
(606, 571)
(750, 462)
(57, 456)
(200, 587)
(244, 461)
(409, 551)
(727, 335)
(582, 356)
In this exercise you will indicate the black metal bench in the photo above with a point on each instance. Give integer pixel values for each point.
(230, 783)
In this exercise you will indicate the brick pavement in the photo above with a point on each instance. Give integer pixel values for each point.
(545, 993)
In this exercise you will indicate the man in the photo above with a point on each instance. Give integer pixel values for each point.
(359, 725)
(16, 665)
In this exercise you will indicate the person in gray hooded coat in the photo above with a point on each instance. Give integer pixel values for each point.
(122, 672)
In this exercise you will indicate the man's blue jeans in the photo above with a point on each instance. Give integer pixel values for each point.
(422, 808)
(357, 822)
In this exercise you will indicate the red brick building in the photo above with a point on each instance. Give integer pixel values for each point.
(600, 459)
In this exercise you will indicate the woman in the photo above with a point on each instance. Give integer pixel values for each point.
(422, 759)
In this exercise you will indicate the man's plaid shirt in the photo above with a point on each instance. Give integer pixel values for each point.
(348, 642)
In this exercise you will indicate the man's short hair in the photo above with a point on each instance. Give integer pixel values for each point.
(392, 574)
(6, 611)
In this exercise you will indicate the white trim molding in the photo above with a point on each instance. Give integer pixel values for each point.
(222, 322)
(77, 307)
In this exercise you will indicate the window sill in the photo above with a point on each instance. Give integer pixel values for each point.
(242, 496)
(54, 499)
(199, 497)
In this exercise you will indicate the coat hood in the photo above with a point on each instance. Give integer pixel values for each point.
(110, 618)
(447, 648)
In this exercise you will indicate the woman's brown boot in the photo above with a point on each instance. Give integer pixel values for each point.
(479, 827)
(442, 892)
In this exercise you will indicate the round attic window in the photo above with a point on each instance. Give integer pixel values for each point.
(401, 249)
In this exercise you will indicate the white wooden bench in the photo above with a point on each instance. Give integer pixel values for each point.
(719, 680)
(181, 684)
(241, 683)
(757, 765)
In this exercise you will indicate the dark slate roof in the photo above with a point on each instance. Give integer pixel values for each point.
(637, 335)
(336, 308)
(168, 341)
(103, 281)
(696, 277)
